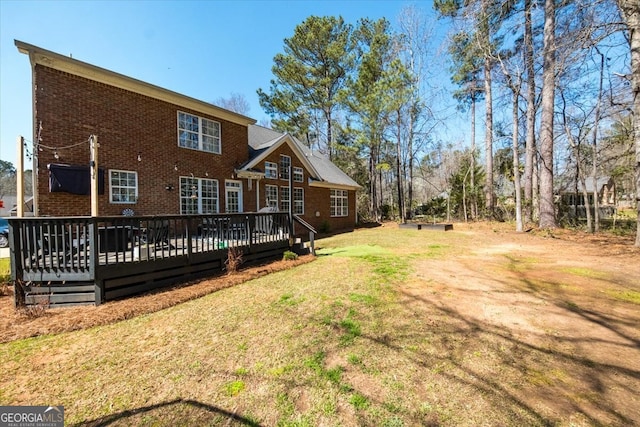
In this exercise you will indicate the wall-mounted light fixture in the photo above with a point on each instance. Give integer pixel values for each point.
(139, 157)
(168, 187)
(175, 167)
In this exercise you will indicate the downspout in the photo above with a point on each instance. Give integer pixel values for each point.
(257, 194)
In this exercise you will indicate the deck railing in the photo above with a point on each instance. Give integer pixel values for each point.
(65, 250)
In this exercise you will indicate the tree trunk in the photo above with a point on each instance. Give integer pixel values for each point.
(516, 160)
(373, 194)
(329, 134)
(547, 206)
(488, 137)
(474, 199)
(585, 195)
(530, 144)
(630, 10)
(411, 157)
(596, 202)
(399, 171)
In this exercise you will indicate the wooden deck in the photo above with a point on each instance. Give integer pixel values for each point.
(82, 260)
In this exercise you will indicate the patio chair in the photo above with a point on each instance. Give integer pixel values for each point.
(158, 235)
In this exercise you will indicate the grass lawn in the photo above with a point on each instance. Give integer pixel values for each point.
(5, 269)
(387, 327)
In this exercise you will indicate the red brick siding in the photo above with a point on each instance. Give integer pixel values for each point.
(72, 108)
(316, 199)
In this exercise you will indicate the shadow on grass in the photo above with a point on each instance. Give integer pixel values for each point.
(185, 412)
(535, 377)
(553, 366)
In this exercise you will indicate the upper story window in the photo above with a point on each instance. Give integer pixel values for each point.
(198, 133)
(271, 170)
(298, 174)
(123, 186)
(339, 203)
(285, 163)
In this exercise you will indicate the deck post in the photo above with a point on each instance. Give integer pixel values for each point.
(94, 174)
(93, 260)
(20, 179)
(189, 233)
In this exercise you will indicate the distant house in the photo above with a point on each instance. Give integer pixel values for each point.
(161, 152)
(573, 201)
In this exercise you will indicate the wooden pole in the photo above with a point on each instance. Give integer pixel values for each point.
(94, 174)
(20, 180)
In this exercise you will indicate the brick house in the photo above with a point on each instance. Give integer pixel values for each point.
(161, 152)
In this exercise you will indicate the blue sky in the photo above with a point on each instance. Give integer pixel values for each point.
(204, 49)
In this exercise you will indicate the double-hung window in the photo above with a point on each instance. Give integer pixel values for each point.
(298, 174)
(339, 203)
(270, 170)
(271, 195)
(298, 201)
(198, 133)
(123, 186)
(198, 195)
(285, 163)
(284, 199)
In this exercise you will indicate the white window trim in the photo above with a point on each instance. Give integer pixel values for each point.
(344, 207)
(228, 188)
(120, 202)
(282, 170)
(267, 199)
(200, 134)
(300, 189)
(199, 193)
(270, 166)
(284, 199)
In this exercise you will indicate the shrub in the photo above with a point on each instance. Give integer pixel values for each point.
(289, 256)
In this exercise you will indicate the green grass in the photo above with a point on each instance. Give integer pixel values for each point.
(234, 388)
(5, 270)
(586, 272)
(349, 339)
(626, 295)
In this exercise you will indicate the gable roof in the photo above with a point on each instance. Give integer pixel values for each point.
(264, 141)
(72, 66)
(569, 185)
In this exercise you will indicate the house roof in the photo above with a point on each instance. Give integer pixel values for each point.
(69, 65)
(569, 186)
(264, 141)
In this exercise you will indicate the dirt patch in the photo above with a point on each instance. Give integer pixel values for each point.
(563, 300)
(16, 324)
